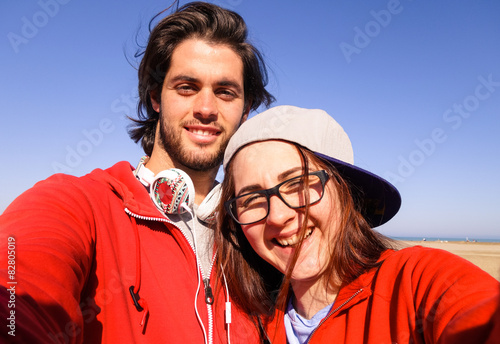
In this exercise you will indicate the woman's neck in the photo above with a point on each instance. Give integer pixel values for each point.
(309, 299)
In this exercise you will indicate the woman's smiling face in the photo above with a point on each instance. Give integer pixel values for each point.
(263, 165)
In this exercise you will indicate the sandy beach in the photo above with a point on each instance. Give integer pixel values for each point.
(486, 255)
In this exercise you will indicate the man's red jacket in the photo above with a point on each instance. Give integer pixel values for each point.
(79, 245)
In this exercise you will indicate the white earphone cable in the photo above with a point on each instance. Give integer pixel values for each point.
(185, 206)
(228, 306)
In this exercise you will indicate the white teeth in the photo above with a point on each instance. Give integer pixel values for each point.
(201, 132)
(293, 240)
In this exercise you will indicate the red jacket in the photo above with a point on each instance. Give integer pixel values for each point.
(73, 248)
(417, 295)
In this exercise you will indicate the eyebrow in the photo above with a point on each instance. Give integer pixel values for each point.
(281, 177)
(183, 77)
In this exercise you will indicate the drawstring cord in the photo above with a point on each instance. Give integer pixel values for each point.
(140, 304)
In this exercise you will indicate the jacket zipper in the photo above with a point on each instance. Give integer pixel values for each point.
(206, 280)
(333, 312)
(209, 299)
(147, 218)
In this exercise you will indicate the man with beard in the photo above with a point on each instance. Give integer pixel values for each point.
(125, 255)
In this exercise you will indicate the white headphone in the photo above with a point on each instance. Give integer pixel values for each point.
(172, 190)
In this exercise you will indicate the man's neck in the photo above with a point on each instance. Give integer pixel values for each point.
(203, 182)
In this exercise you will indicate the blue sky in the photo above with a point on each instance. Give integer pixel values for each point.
(416, 85)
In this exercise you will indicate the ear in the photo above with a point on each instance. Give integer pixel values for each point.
(155, 100)
(244, 117)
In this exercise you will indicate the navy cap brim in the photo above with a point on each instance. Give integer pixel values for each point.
(379, 200)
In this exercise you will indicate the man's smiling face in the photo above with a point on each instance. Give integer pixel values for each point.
(201, 104)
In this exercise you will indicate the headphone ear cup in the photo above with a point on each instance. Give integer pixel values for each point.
(171, 189)
(207, 209)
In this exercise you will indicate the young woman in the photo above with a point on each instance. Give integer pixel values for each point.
(296, 243)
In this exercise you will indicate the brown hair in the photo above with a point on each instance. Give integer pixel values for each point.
(212, 24)
(255, 286)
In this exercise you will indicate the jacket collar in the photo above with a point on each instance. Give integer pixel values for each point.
(361, 287)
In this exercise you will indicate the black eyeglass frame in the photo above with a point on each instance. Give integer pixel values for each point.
(322, 175)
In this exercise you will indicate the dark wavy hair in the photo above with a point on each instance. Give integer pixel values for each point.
(256, 287)
(207, 22)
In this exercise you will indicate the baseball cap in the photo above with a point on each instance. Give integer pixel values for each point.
(317, 131)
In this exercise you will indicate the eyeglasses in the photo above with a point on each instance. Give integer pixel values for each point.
(294, 192)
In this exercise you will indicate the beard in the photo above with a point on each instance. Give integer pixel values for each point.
(198, 159)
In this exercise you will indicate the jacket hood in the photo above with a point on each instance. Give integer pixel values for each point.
(121, 180)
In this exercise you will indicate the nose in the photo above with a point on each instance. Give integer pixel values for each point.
(279, 213)
(205, 106)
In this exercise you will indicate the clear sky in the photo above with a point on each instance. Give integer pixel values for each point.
(415, 84)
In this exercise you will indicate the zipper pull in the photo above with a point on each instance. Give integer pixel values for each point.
(209, 297)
